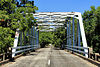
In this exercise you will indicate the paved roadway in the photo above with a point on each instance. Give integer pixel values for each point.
(49, 57)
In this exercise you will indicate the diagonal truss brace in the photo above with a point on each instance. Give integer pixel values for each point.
(61, 16)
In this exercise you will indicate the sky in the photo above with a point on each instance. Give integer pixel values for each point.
(65, 5)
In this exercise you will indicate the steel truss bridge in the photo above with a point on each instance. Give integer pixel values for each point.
(55, 20)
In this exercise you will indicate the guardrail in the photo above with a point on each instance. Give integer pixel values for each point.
(16, 51)
(4, 56)
(21, 49)
(78, 49)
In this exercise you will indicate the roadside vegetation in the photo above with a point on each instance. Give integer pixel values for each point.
(15, 15)
(91, 19)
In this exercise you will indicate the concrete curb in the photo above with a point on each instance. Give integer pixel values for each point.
(87, 59)
(12, 60)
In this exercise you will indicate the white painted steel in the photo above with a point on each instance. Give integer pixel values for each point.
(83, 33)
(59, 16)
(53, 16)
(52, 24)
(15, 41)
(46, 30)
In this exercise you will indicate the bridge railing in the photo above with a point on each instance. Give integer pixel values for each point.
(78, 49)
(4, 56)
(21, 49)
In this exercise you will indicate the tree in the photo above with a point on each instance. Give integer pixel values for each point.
(59, 38)
(13, 17)
(92, 25)
(45, 38)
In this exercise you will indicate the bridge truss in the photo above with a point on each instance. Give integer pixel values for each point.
(66, 19)
(49, 21)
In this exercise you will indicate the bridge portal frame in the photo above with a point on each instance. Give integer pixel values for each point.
(61, 16)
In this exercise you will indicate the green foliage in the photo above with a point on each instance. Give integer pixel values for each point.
(3, 15)
(8, 5)
(91, 21)
(45, 38)
(59, 38)
(12, 18)
(5, 39)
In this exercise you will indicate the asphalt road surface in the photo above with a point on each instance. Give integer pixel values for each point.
(49, 57)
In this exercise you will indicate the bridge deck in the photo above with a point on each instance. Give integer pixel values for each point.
(49, 57)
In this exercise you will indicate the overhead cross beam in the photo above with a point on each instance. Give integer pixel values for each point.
(47, 30)
(54, 16)
(60, 17)
(51, 24)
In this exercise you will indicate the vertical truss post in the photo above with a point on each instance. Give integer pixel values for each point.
(37, 38)
(73, 32)
(65, 46)
(29, 36)
(20, 38)
(69, 32)
(76, 36)
(34, 35)
(79, 44)
(68, 35)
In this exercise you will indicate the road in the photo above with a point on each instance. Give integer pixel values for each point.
(49, 57)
